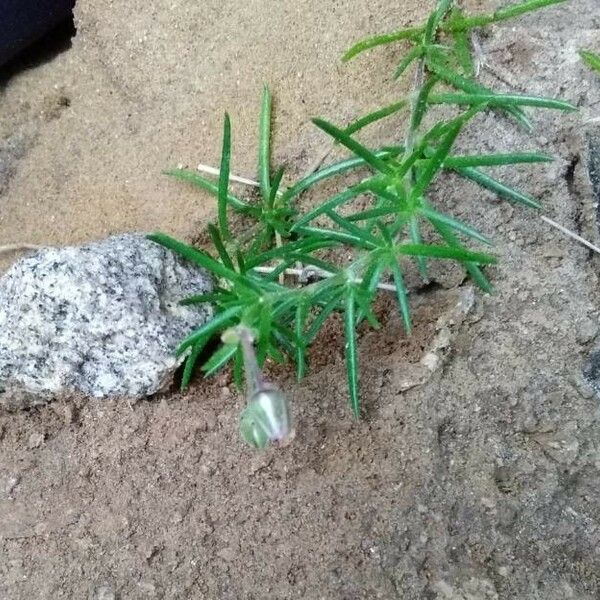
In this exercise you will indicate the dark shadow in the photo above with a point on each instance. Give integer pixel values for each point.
(36, 39)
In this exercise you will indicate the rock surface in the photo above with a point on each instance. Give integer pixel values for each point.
(102, 319)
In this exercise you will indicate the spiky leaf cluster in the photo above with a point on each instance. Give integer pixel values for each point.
(286, 316)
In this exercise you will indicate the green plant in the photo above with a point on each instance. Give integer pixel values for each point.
(402, 221)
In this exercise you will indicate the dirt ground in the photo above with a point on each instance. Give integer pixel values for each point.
(481, 484)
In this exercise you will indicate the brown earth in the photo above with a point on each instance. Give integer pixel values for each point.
(481, 484)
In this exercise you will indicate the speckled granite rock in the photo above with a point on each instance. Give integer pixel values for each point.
(101, 319)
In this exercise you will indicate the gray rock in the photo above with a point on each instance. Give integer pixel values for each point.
(101, 319)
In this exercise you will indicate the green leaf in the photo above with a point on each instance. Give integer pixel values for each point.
(219, 358)
(416, 239)
(472, 267)
(306, 244)
(373, 273)
(264, 144)
(241, 261)
(334, 235)
(444, 252)
(218, 322)
(190, 363)
(351, 351)
(591, 59)
(215, 236)
(337, 168)
(375, 116)
(224, 180)
(438, 217)
(472, 87)
(443, 6)
(209, 186)
(213, 297)
(380, 40)
(202, 259)
(420, 107)
(462, 45)
(337, 200)
(493, 160)
(440, 154)
(414, 54)
(332, 305)
(365, 311)
(372, 213)
(192, 254)
(401, 294)
(498, 187)
(302, 309)
(502, 14)
(501, 100)
(351, 228)
(343, 138)
(275, 186)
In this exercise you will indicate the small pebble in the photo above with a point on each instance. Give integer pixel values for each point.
(35, 440)
(104, 592)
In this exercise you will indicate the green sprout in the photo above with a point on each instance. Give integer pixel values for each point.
(279, 278)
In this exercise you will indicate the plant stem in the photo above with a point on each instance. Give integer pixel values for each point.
(254, 378)
(570, 234)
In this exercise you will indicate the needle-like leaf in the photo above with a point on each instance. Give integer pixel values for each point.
(380, 40)
(217, 323)
(375, 116)
(351, 351)
(215, 236)
(414, 54)
(463, 228)
(264, 144)
(335, 169)
(302, 310)
(497, 187)
(343, 138)
(338, 200)
(401, 293)
(209, 186)
(494, 160)
(502, 14)
(224, 181)
(501, 100)
(190, 363)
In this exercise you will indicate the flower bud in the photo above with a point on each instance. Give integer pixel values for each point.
(266, 418)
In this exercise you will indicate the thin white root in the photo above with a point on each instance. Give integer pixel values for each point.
(477, 52)
(18, 248)
(570, 234)
(213, 171)
(304, 274)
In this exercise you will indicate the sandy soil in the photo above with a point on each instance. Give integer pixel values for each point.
(481, 484)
